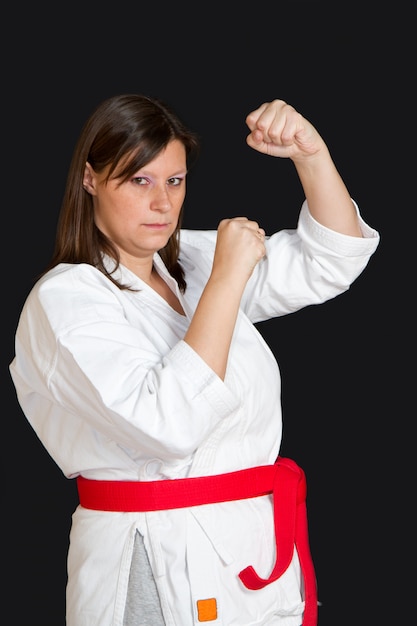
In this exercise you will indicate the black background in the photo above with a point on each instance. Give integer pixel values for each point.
(345, 364)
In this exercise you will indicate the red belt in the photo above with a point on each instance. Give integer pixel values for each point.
(285, 480)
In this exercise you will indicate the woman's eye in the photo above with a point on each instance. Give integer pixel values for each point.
(175, 181)
(139, 180)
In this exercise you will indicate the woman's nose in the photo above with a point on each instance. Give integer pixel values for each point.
(160, 199)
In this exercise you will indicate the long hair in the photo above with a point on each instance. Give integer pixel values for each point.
(124, 133)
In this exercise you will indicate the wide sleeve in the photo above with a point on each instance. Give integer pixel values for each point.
(307, 265)
(84, 351)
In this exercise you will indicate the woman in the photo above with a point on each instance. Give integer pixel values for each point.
(139, 367)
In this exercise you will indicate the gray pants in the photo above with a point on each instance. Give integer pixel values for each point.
(143, 607)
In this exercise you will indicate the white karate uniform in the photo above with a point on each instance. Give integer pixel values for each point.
(114, 393)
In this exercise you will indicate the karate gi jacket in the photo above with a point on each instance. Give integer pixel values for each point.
(114, 393)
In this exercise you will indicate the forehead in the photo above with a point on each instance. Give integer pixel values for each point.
(171, 158)
(173, 153)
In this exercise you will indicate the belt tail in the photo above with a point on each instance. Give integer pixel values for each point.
(291, 530)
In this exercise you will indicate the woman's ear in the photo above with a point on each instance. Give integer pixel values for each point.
(89, 179)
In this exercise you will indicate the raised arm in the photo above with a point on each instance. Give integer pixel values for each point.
(279, 130)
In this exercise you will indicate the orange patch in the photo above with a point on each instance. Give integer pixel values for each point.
(207, 610)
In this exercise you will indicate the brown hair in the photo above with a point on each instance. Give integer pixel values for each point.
(124, 132)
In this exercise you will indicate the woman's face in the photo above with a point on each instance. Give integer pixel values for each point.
(140, 215)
